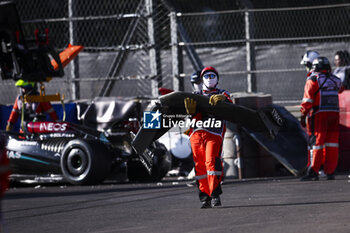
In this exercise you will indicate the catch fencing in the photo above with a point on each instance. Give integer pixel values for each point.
(134, 47)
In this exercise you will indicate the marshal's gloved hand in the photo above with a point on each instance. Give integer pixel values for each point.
(303, 121)
(8, 127)
(214, 99)
(187, 132)
(190, 105)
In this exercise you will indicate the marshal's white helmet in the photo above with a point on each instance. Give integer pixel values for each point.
(308, 58)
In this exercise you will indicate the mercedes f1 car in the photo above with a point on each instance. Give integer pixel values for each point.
(81, 153)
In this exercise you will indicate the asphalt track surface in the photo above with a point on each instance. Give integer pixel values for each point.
(253, 205)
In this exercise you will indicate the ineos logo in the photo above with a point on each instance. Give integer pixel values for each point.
(276, 116)
(53, 126)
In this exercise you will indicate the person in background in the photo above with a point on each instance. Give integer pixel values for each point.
(196, 84)
(196, 81)
(306, 61)
(320, 103)
(342, 69)
(206, 142)
(31, 110)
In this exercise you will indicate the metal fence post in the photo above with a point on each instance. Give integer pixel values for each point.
(190, 50)
(176, 55)
(250, 56)
(154, 52)
(74, 65)
(119, 59)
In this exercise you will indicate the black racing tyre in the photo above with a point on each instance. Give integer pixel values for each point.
(137, 172)
(85, 162)
(161, 165)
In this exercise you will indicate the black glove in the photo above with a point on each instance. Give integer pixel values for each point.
(303, 121)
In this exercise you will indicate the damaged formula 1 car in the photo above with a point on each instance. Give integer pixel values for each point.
(87, 154)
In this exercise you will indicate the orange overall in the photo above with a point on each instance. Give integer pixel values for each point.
(321, 105)
(206, 143)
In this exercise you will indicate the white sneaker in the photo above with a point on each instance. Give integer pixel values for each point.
(321, 173)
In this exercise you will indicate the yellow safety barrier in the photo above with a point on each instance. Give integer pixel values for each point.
(42, 98)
